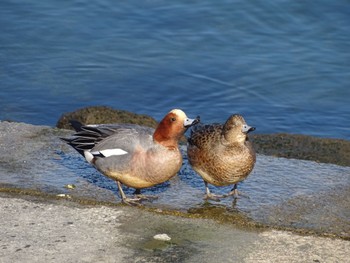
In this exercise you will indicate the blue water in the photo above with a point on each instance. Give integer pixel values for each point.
(283, 64)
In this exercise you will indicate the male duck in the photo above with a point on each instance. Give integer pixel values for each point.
(133, 155)
(222, 154)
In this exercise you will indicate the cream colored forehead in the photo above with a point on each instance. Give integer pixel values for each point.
(179, 113)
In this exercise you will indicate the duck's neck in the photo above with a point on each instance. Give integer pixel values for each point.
(232, 137)
(163, 136)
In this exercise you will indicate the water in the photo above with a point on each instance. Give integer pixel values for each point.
(284, 65)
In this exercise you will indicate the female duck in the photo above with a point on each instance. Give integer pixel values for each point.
(133, 155)
(222, 154)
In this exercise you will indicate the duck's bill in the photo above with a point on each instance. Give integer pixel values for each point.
(247, 128)
(190, 122)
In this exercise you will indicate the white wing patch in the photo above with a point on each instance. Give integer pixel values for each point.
(89, 156)
(110, 152)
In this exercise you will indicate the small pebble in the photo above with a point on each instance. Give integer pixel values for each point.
(70, 186)
(63, 195)
(162, 237)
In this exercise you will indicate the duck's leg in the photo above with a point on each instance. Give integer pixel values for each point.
(234, 191)
(121, 192)
(209, 195)
(126, 200)
(138, 194)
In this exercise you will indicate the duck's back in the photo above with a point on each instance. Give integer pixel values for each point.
(205, 136)
(125, 137)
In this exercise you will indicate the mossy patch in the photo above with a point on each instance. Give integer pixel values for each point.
(103, 114)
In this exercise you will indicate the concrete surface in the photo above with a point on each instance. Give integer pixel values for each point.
(37, 230)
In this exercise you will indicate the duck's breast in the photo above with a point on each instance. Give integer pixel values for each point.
(145, 167)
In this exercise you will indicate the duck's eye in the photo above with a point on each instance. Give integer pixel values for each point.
(173, 119)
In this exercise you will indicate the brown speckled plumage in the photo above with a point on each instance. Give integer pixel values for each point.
(221, 153)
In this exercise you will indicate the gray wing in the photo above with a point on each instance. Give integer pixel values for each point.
(103, 135)
(125, 138)
(114, 152)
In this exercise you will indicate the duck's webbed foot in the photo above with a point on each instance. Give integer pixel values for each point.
(127, 200)
(235, 193)
(142, 197)
(146, 197)
(211, 196)
(132, 201)
(137, 199)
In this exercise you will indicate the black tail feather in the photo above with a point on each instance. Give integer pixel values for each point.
(70, 142)
(86, 137)
(76, 125)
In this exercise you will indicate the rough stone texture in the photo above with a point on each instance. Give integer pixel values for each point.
(102, 114)
(38, 230)
(303, 147)
(279, 246)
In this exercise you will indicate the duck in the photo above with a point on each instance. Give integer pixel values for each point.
(132, 155)
(222, 154)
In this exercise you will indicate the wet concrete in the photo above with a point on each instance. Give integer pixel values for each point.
(301, 197)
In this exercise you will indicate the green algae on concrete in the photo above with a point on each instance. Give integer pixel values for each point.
(219, 214)
(103, 114)
(304, 147)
